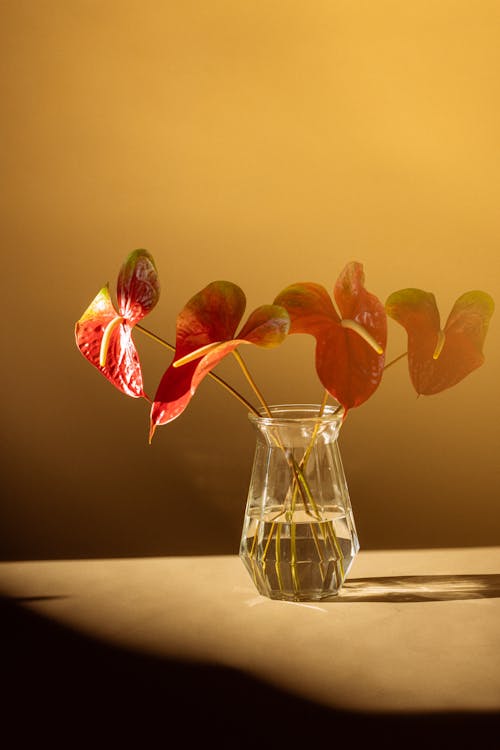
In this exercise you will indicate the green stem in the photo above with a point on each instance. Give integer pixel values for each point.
(305, 459)
(299, 483)
(293, 561)
(155, 337)
(322, 408)
(277, 564)
(291, 461)
(337, 551)
(215, 377)
(393, 362)
(306, 494)
(309, 448)
(318, 549)
(254, 541)
(252, 382)
(264, 554)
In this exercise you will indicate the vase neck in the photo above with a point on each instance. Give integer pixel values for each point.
(293, 425)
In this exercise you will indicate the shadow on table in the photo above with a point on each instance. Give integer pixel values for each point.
(74, 691)
(430, 588)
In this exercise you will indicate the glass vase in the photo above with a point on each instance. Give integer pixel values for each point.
(299, 539)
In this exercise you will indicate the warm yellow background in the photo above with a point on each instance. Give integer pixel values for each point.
(266, 143)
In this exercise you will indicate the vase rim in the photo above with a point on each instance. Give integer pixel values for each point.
(297, 413)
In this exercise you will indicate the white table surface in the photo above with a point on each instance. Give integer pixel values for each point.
(413, 631)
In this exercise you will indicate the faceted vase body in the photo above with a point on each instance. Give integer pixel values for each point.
(299, 539)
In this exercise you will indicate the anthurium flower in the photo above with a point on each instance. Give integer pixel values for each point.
(104, 336)
(438, 358)
(206, 330)
(350, 346)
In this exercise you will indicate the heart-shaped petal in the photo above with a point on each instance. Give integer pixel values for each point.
(104, 336)
(138, 287)
(349, 350)
(347, 366)
(179, 384)
(357, 304)
(267, 326)
(209, 316)
(121, 367)
(441, 358)
(309, 306)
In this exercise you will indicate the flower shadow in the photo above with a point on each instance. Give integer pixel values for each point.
(423, 588)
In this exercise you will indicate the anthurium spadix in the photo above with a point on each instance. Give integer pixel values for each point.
(350, 346)
(104, 335)
(206, 333)
(439, 358)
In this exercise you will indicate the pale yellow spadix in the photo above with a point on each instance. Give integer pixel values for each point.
(352, 325)
(439, 345)
(196, 354)
(106, 338)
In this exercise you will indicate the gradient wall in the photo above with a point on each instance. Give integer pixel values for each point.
(265, 143)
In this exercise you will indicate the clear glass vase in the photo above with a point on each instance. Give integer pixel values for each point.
(299, 539)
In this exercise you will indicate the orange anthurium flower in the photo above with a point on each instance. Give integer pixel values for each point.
(350, 346)
(206, 330)
(104, 336)
(439, 358)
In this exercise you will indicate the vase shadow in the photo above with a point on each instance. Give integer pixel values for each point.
(424, 588)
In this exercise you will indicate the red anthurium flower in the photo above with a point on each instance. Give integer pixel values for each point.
(206, 330)
(439, 358)
(349, 346)
(104, 336)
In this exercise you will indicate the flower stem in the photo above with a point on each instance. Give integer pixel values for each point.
(323, 403)
(300, 483)
(252, 382)
(277, 563)
(305, 459)
(295, 468)
(155, 337)
(322, 408)
(293, 561)
(215, 377)
(393, 362)
(321, 559)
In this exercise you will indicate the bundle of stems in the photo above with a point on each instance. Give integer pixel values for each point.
(298, 492)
